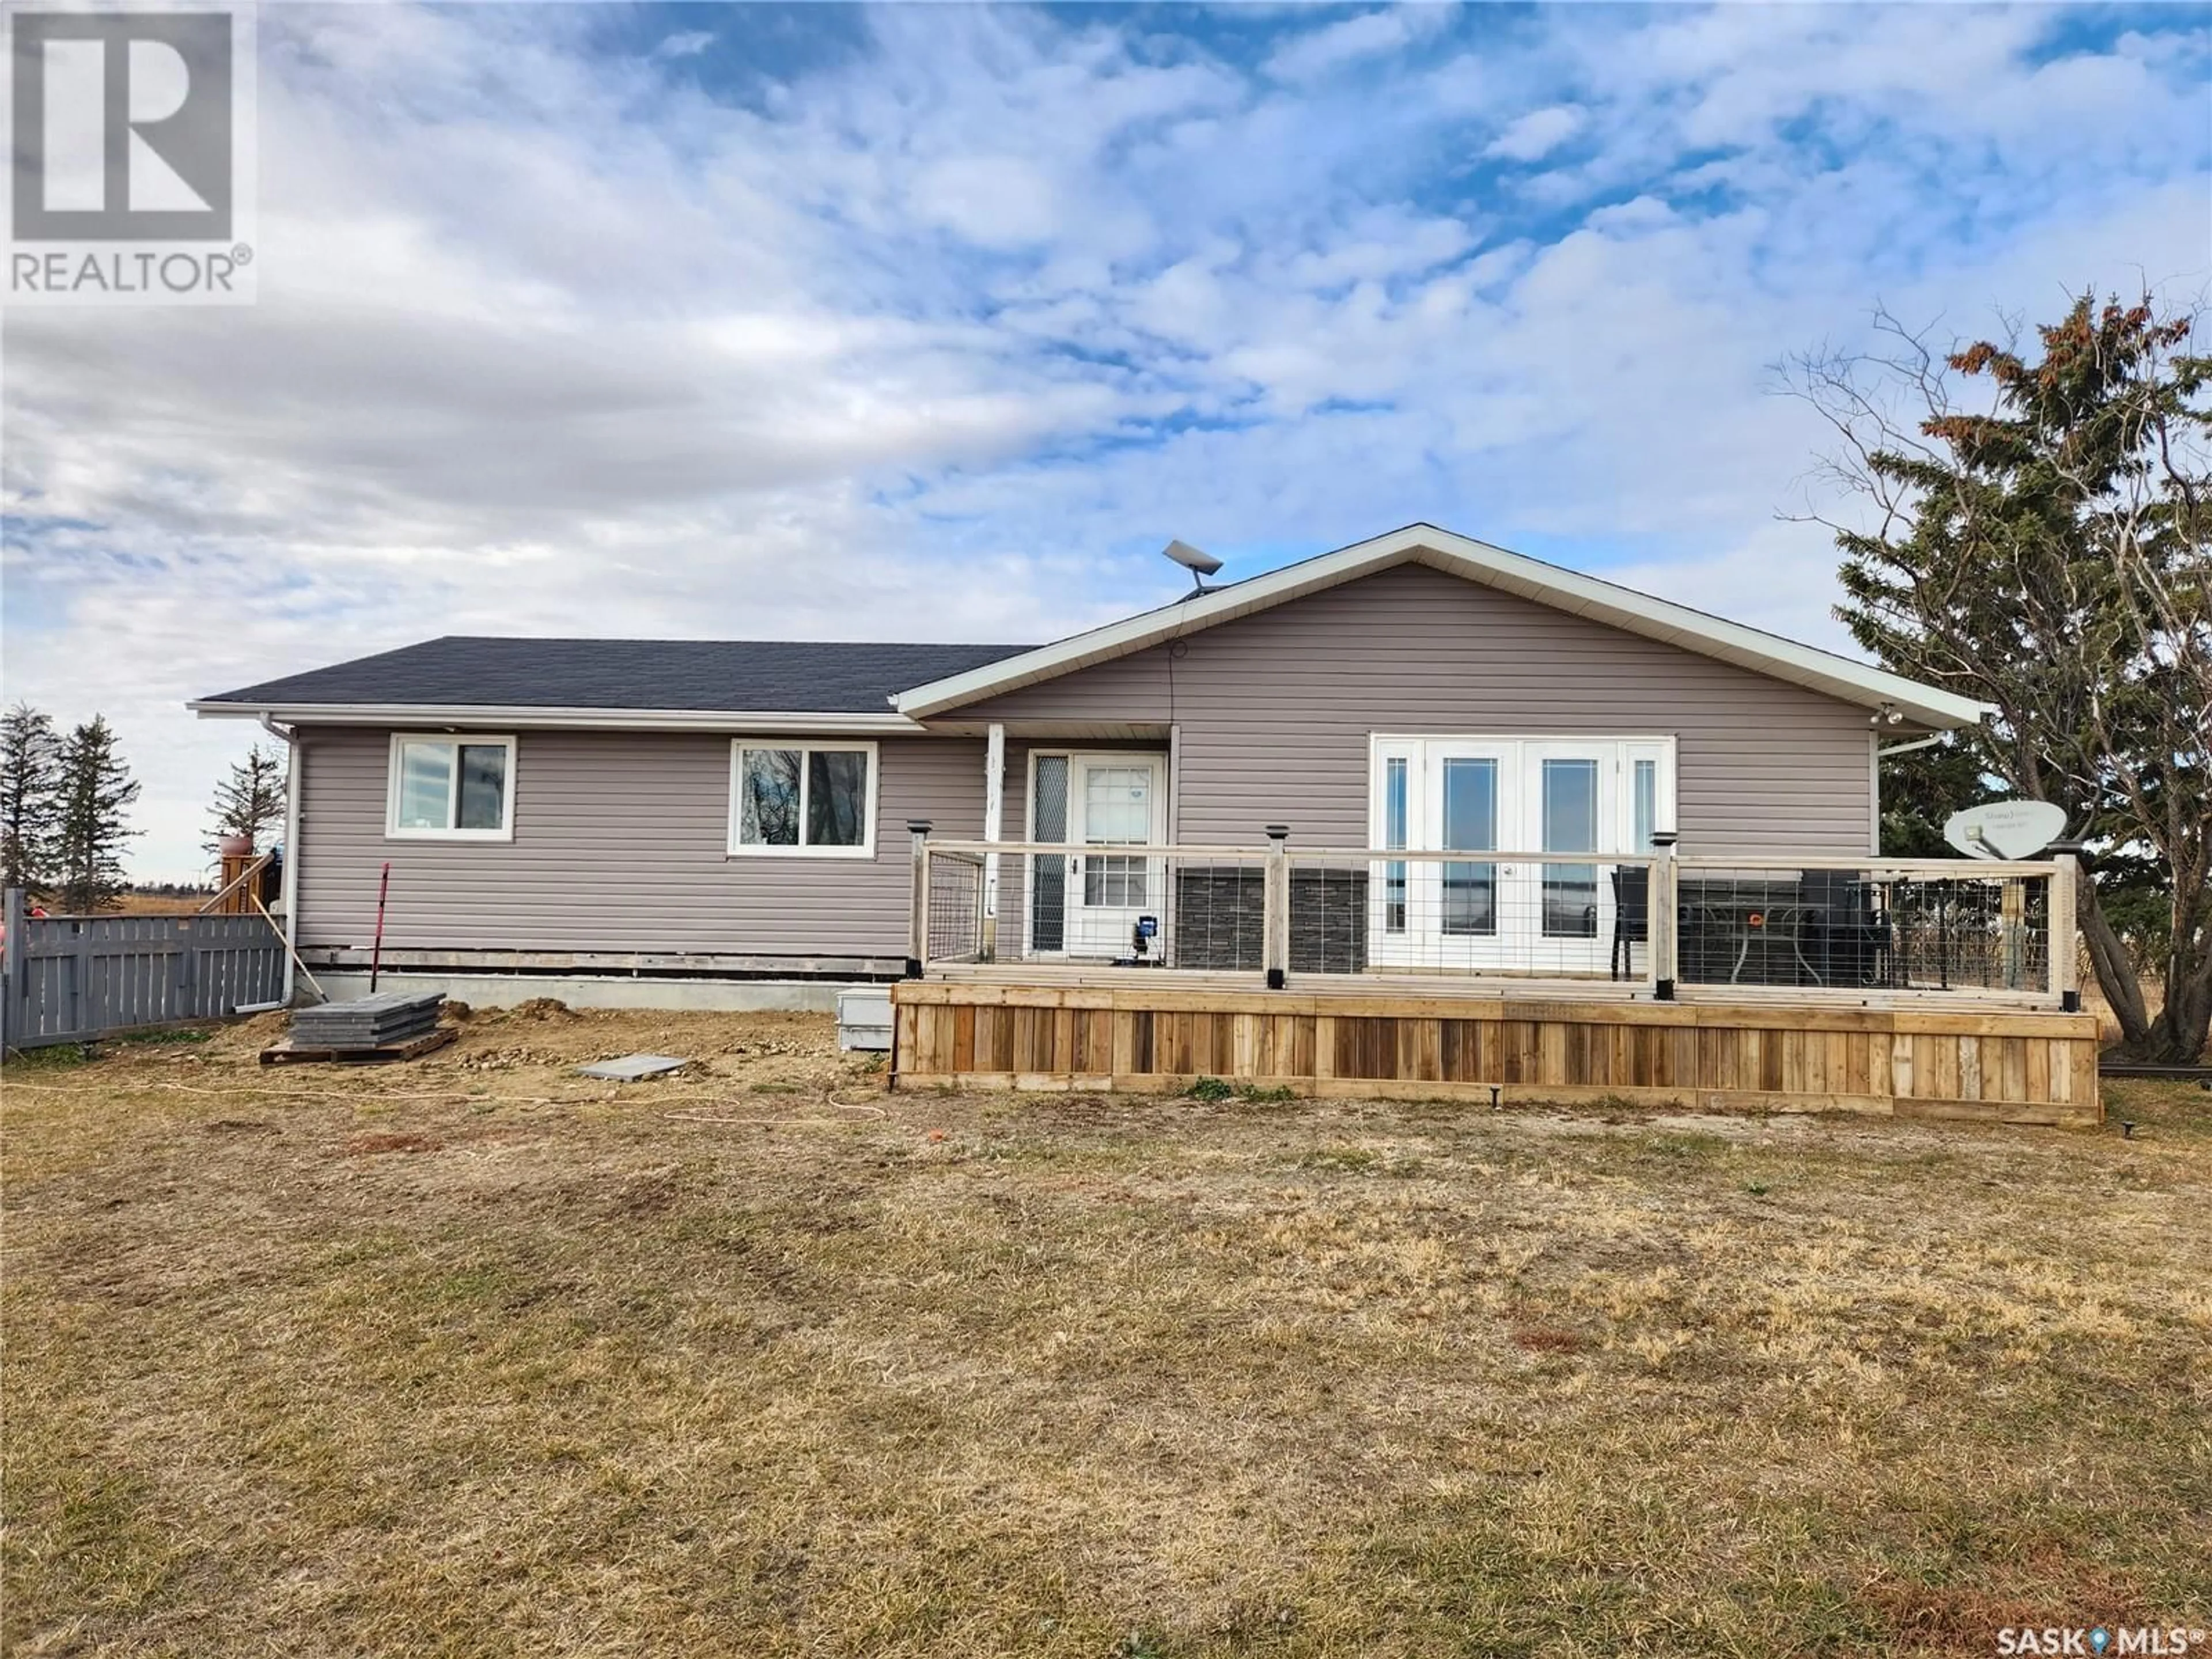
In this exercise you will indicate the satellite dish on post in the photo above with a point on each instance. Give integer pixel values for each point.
(1201, 565)
(2005, 829)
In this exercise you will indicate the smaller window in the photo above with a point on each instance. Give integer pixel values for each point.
(1394, 837)
(451, 788)
(812, 800)
(1647, 804)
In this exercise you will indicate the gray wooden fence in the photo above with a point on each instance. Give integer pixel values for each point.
(69, 979)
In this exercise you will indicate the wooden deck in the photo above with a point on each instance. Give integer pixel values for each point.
(1721, 1048)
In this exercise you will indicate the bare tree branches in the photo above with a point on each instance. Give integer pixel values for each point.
(2048, 550)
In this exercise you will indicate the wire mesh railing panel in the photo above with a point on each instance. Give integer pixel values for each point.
(1818, 926)
(1530, 915)
(1895, 928)
(954, 916)
(1200, 909)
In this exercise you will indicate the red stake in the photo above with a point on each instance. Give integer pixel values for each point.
(376, 950)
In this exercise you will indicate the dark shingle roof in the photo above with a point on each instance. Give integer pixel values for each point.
(704, 676)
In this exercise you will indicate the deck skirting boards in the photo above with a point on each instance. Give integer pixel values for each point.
(1976, 1065)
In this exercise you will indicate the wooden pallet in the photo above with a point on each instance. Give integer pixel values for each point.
(287, 1054)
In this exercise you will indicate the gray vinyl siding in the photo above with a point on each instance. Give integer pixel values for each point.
(1276, 710)
(620, 845)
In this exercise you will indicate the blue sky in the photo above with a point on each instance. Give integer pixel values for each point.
(937, 321)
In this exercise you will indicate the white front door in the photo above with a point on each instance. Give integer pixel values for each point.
(1507, 796)
(1113, 800)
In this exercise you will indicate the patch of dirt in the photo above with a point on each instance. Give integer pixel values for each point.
(540, 1008)
(373, 1145)
(505, 1059)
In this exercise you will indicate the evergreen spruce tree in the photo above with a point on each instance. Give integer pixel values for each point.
(251, 801)
(2050, 552)
(97, 791)
(30, 798)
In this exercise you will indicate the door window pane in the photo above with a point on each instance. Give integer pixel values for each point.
(1117, 804)
(768, 797)
(1117, 811)
(1647, 803)
(1048, 871)
(426, 783)
(837, 797)
(1570, 813)
(483, 785)
(1470, 825)
(1394, 835)
(1113, 881)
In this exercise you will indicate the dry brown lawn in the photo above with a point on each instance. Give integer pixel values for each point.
(473, 1357)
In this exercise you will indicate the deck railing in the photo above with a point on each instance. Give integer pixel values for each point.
(1644, 924)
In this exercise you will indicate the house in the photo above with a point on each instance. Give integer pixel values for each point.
(738, 811)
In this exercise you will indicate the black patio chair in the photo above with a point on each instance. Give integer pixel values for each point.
(1631, 917)
(1844, 934)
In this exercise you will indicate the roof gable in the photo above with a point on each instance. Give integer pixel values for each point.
(1477, 561)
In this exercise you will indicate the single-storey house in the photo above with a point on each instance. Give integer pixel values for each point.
(739, 809)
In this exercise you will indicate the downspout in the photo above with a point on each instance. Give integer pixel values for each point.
(289, 736)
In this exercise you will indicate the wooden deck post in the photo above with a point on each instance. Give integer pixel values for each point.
(2064, 922)
(1663, 926)
(1275, 907)
(994, 808)
(917, 933)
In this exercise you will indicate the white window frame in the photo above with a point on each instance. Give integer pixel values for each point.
(1626, 751)
(392, 828)
(866, 849)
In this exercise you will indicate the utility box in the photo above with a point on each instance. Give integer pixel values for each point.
(864, 1019)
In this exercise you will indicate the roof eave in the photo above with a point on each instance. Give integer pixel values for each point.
(480, 715)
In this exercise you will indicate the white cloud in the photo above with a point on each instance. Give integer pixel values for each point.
(1537, 134)
(685, 43)
(1321, 51)
(939, 337)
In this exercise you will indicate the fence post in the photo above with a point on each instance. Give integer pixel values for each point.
(1663, 926)
(188, 970)
(1275, 907)
(2065, 943)
(15, 979)
(917, 933)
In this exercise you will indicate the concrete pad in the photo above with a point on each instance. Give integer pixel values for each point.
(632, 1068)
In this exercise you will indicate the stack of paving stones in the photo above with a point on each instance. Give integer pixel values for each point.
(377, 1022)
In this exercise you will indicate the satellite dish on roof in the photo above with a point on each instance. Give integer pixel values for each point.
(2005, 829)
(1201, 565)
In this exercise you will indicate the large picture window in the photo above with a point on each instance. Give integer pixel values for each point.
(451, 788)
(802, 799)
